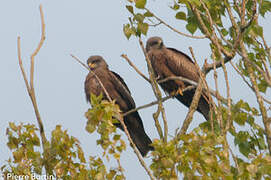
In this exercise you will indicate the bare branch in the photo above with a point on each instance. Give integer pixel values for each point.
(135, 68)
(219, 115)
(140, 158)
(21, 64)
(244, 79)
(173, 29)
(229, 121)
(192, 108)
(80, 62)
(30, 87)
(147, 105)
(37, 49)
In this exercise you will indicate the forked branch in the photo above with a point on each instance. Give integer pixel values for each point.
(30, 86)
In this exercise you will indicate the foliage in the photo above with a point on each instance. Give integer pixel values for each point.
(102, 118)
(64, 158)
(206, 152)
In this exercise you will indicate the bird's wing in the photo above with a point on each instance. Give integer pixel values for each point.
(181, 53)
(181, 64)
(122, 89)
(121, 80)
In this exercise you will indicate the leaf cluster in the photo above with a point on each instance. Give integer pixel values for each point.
(102, 117)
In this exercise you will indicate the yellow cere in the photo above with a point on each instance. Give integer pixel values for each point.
(92, 65)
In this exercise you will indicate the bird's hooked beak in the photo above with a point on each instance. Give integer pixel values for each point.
(91, 65)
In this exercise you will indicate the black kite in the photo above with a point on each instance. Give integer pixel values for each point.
(117, 90)
(168, 62)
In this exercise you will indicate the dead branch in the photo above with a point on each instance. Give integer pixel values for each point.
(30, 86)
(135, 68)
(173, 29)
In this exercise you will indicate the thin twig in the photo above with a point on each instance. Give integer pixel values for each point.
(80, 62)
(173, 29)
(140, 158)
(147, 105)
(37, 49)
(120, 168)
(229, 120)
(21, 64)
(135, 68)
(219, 115)
(244, 79)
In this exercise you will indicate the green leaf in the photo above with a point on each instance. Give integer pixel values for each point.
(224, 32)
(191, 27)
(143, 27)
(90, 128)
(139, 17)
(116, 137)
(130, 9)
(181, 15)
(244, 148)
(258, 30)
(127, 31)
(148, 14)
(263, 86)
(175, 6)
(140, 4)
(266, 6)
(13, 126)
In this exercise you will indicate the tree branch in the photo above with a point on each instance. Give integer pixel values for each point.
(135, 68)
(30, 86)
(173, 29)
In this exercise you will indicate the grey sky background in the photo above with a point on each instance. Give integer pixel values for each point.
(85, 28)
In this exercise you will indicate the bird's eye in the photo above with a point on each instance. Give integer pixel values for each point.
(154, 43)
(95, 61)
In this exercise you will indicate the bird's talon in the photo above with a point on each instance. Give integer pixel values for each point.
(180, 91)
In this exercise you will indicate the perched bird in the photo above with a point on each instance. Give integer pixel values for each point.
(117, 90)
(167, 62)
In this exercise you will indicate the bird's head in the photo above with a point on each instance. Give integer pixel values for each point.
(154, 43)
(95, 62)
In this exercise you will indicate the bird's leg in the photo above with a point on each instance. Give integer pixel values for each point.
(177, 92)
(180, 91)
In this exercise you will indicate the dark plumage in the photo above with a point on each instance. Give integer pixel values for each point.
(118, 90)
(168, 62)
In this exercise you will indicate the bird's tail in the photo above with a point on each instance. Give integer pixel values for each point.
(138, 134)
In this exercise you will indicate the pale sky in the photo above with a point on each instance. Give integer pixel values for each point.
(86, 28)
